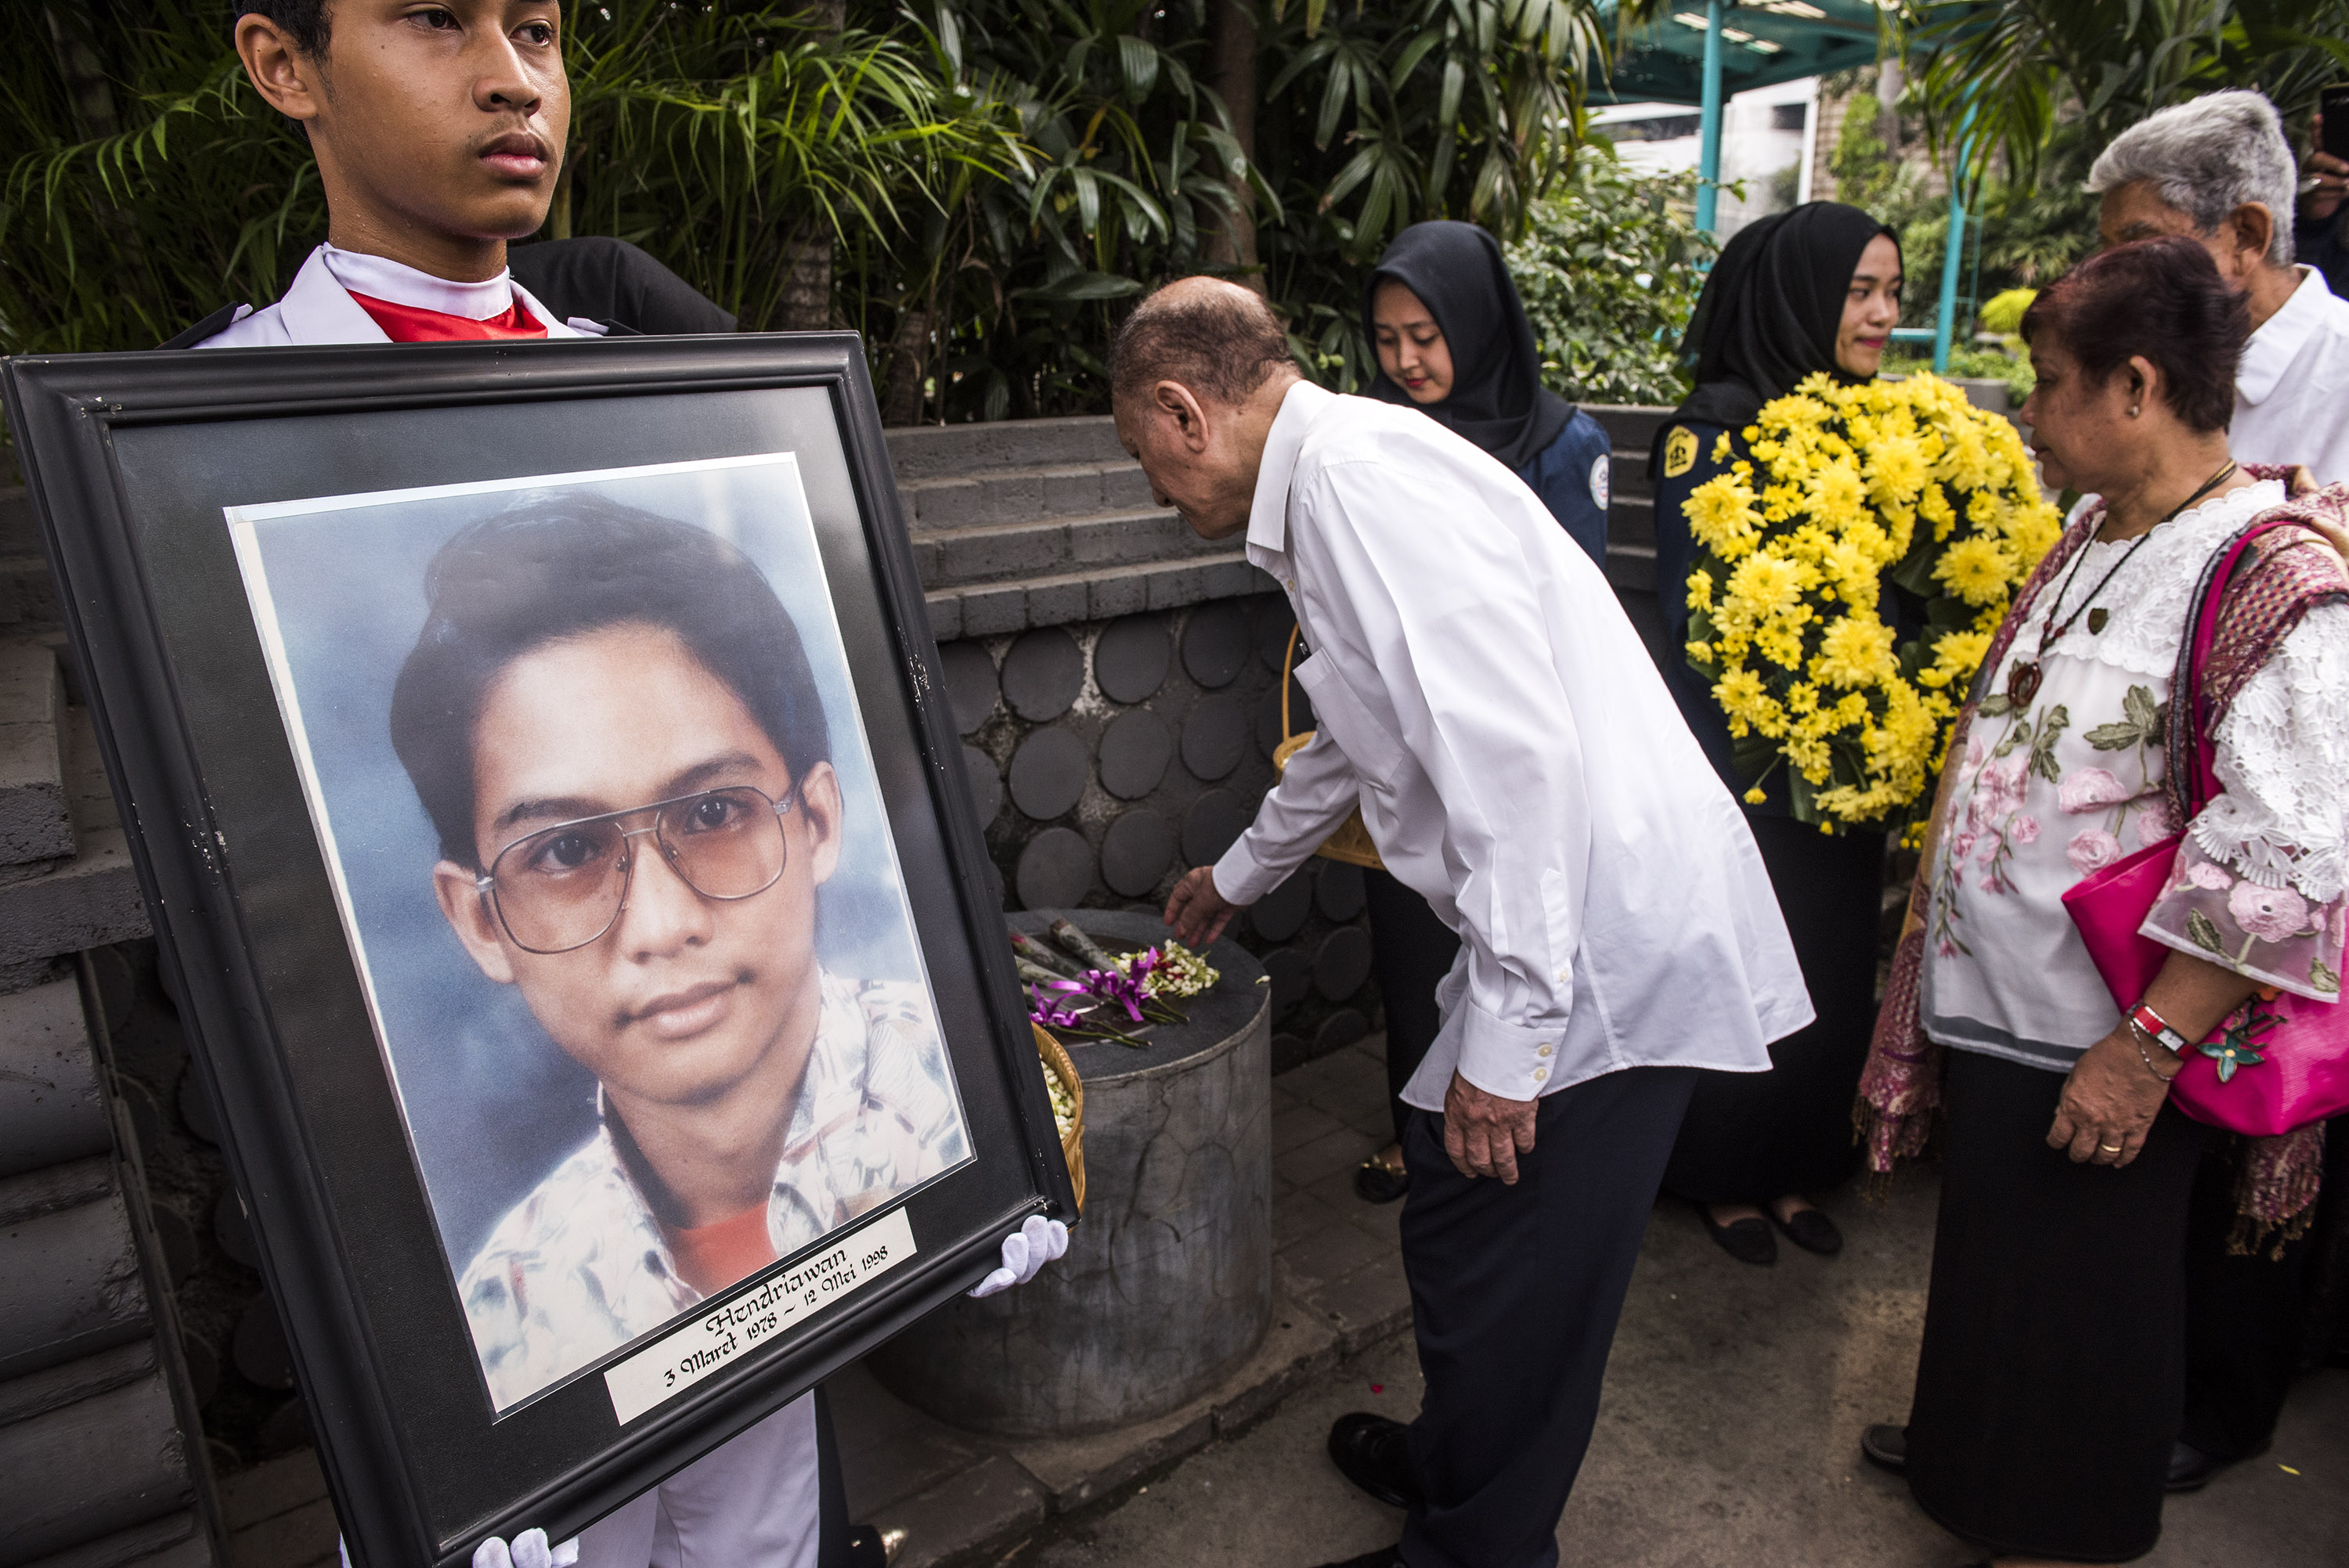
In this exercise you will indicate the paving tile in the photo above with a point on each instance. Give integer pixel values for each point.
(1366, 1305)
(1362, 1096)
(1300, 1125)
(1296, 1215)
(291, 1540)
(993, 1501)
(1308, 1162)
(1334, 1252)
(271, 1488)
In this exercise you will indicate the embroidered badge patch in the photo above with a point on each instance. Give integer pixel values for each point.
(1680, 452)
(1599, 481)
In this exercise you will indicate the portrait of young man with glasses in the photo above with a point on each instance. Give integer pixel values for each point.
(611, 720)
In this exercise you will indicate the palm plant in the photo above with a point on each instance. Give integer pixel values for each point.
(151, 183)
(2015, 68)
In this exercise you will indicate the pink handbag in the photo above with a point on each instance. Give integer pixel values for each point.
(2278, 1062)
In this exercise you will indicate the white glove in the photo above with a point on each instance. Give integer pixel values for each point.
(529, 1550)
(1025, 1250)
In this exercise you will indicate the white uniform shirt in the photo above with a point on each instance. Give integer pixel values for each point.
(318, 306)
(2291, 389)
(1517, 761)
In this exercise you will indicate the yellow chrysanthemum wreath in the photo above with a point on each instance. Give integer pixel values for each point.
(1793, 544)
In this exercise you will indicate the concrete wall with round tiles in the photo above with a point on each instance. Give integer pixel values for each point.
(1108, 756)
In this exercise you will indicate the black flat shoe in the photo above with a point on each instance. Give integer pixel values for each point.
(1374, 1453)
(1374, 1183)
(865, 1548)
(1812, 1231)
(2190, 1469)
(1886, 1447)
(1747, 1241)
(1385, 1557)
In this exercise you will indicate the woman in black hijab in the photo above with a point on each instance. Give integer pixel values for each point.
(1814, 289)
(1452, 340)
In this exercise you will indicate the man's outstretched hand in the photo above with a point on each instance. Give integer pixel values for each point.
(1483, 1133)
(1197, 912)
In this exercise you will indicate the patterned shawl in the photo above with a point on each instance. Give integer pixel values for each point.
(2293, 570)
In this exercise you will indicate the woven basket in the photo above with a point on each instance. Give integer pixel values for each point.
(1351, 842)
(1072, 1142)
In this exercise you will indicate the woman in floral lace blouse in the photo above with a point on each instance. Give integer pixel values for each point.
(2049, 1387)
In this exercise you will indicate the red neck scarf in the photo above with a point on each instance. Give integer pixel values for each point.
(414, 323)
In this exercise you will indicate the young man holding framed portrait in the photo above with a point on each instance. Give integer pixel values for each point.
(739, 1105)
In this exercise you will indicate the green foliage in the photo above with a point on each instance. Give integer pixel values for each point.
(1610, 272)
(721, 137)
(2023, 66)
(977, 185)
(150, 197)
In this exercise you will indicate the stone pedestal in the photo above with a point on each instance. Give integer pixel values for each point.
(1167, 1283)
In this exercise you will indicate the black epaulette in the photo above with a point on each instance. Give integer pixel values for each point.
(212, 325)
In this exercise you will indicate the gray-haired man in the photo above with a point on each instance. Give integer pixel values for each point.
(2220, 169)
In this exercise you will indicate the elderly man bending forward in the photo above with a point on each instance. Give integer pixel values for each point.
(1518, 762)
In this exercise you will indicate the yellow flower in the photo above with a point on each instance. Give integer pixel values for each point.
(1955, 659)
(1896, 470)
(1755, 796)
(1976, 570)
(1721, 516)
(1700, 590)
(1855, 651)
(1836, 492)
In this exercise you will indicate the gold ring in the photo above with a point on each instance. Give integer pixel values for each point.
(2109, 1148)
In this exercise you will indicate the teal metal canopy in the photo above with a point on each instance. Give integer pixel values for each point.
(1762, 43)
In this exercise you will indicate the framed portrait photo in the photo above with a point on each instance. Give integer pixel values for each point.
(536, 771)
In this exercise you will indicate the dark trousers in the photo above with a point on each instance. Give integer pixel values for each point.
(1515, 1293)
(1411, 953)
(2051, 1373)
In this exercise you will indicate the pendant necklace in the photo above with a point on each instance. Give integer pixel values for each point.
(2024, 677)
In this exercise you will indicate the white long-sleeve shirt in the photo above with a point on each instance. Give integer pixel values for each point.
(1517, 761)
(2292, 388)
(318, 307)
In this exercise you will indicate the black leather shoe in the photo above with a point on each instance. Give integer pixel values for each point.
(1886, 1447)
(1385, 1557)
(1374, 1453)
(2190, 1469)
(1374, 1183)
(1747, 1241)
(865, 1548)
(1812, 1231)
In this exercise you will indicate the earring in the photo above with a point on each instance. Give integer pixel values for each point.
(2132, 410)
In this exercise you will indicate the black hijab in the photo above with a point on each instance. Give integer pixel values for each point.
(1498, 400)
(1771, 310)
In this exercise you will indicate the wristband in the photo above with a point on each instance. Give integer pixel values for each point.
(2145, 1019)
(2138, 1037)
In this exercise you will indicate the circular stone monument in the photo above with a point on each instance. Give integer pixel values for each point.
(1167, 1284)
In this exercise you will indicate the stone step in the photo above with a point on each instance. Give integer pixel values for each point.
(1627, 475)
(1632, 567)
(87, 899)
(36, 815)
(951, 452)
(1011, 494)
(51, 1109)
(1631, 520)
(994, 552)
(989, 609)
(1632, 427)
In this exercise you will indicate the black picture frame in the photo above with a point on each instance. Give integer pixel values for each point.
(130, 459)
